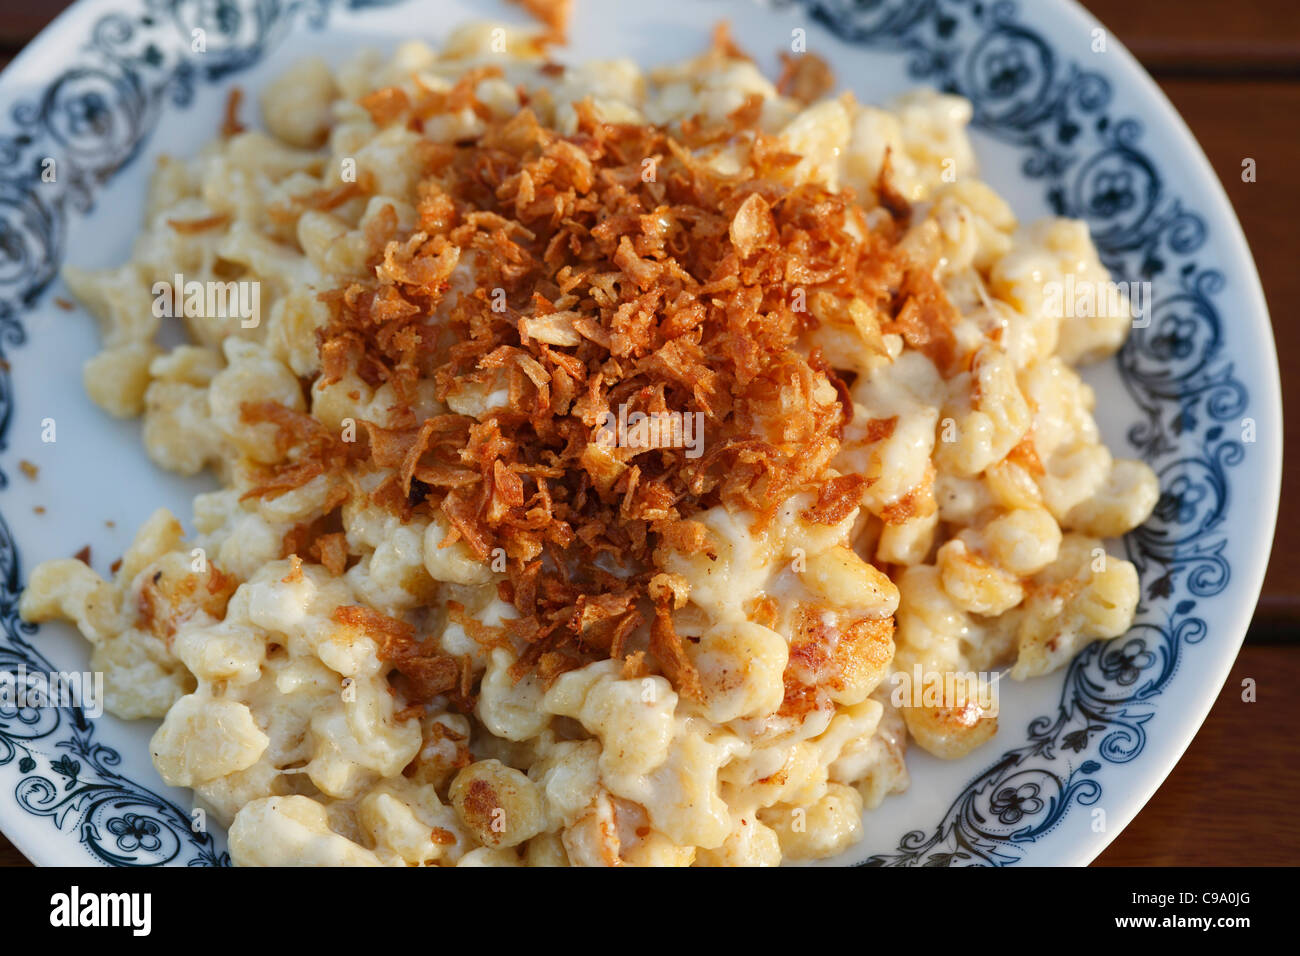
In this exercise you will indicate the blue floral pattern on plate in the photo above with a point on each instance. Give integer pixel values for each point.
(97, 114)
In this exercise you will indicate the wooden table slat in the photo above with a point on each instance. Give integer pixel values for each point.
(1206, 35)
(20, 20)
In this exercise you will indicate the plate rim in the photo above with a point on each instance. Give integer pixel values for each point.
(1266, 391)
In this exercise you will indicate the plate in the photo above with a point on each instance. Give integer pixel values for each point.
(1066, 122)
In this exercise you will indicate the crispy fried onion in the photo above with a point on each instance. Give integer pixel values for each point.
(570, 276)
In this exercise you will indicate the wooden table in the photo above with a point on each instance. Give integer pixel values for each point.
(1233, 70)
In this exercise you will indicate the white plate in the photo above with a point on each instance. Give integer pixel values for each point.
(1061, 126)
